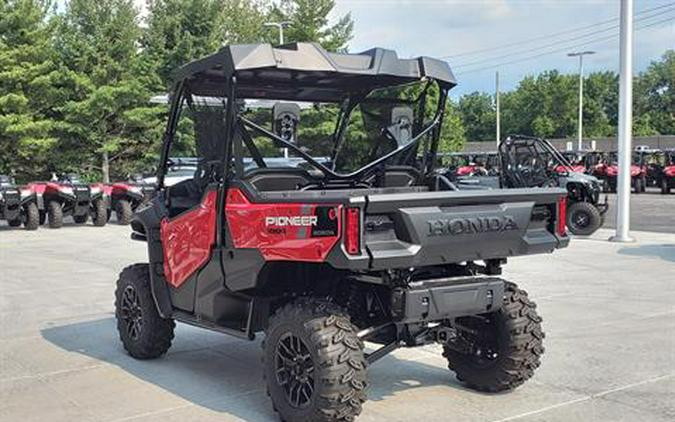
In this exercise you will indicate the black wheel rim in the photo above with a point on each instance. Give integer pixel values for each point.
(132, 315)
(482, 337)
(581, 219)
(294, 370)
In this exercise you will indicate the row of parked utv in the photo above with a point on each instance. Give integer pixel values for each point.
(51, 202)
(649, 167)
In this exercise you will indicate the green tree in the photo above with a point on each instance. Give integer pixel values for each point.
(655, 96)
(309, 23)
(29, 88)
(108, 114)
(477, 112)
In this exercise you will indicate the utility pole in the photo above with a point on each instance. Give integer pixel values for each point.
(625, 122)
(581, 54)
(280, 26)
(497, 122)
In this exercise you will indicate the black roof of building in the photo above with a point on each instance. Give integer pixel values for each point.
(306, 72)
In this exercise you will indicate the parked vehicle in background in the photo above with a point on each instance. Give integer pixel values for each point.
(576, 161)
(124, 197)
(70, 196)
(666, 171)
(652, 160)
(638, 172)
(534, 162)
(367, 247)
(179, 169)
(462, 164)
(18, 205)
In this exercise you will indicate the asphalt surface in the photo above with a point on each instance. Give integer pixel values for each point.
(608, 313)
(649, 211)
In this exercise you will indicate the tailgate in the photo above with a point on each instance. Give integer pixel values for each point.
(431, 228)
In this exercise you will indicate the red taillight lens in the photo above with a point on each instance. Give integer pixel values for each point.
(353, 231)
(562, 216)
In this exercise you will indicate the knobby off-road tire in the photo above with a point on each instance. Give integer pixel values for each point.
(583, 218)
(327, 380)
(637, 188)
(123, 212)
(516, 336)
(31, 216)
(665, 188)
(144, 333)
(54, 214)
(100, 214)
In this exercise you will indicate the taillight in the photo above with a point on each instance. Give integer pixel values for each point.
(562, 216)
(353, 231)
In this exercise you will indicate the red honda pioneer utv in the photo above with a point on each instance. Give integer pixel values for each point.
(373, 245)
(638, 172)
(70, 196)
(18, 205)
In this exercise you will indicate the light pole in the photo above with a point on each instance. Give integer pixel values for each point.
(280, 26)
(581, 55)
(498, 128)
(625, 122)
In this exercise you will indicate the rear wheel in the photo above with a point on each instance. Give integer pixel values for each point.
(583, 218)
(31, 216)
(55, 214)
(505, 346)
(100, 213)
(144, 333)
(313, 363)
(123, 212)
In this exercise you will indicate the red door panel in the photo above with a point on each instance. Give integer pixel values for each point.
(283, 231)
(187, 240)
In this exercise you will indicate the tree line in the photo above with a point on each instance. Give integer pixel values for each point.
(76, 78)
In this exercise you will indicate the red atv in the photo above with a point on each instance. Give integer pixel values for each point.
(666, 173)
(18, 205)
(576, 163)
(70, 197)
(370, 246)
(125, 197)
(638, 172)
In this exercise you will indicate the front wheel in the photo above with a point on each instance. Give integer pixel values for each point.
(583, 218)
(313, 363)
(31, 216)
(665, 187)
(123, 212)
(100, 213)
(144, 333)
(504, 347)
(55, 214)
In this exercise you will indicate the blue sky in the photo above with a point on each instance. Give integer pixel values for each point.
(442, 28)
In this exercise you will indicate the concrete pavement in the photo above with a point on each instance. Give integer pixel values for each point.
(608, 313)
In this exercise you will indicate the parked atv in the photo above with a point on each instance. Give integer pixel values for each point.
(638, 172)
(69, 196)
(18, 205)
(373, 245)
(665, 177)
(125, 197)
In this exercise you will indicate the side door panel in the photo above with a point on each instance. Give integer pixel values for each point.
(188, 238)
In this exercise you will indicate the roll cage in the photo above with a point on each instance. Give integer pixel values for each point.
(306, 72)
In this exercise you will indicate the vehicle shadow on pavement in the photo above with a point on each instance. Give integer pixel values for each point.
(222, 373)
(664, 251)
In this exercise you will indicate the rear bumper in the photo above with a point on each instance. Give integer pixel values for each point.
(436, 300)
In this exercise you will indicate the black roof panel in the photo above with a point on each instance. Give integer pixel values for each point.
(305, 71)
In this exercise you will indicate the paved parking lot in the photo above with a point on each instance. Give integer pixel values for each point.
(650, 211)
(608, 311)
